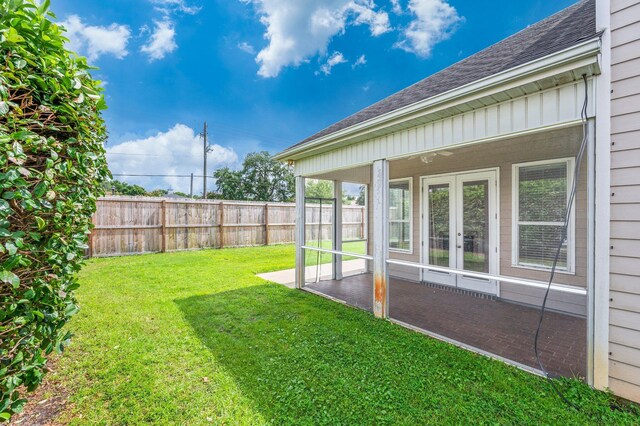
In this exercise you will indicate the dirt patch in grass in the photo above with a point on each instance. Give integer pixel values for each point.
(45, 403)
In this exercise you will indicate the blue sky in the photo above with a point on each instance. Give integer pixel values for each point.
(264, 74)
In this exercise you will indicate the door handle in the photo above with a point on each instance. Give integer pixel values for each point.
(459, 246)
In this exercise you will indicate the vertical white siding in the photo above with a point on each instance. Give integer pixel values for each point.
(624, 321)
(546, 108)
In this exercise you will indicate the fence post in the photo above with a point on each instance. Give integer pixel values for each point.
(266, 224)
(221, 225)
(90, 254)
(163, 215)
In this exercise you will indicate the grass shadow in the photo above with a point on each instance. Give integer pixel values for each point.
(302, 359)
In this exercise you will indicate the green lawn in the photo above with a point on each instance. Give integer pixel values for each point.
(472, 261)
(315, 257)
(195, 338)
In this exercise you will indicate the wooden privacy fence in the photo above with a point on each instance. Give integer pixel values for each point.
(136, 225)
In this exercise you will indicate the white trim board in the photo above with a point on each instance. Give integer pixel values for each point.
(598, 339)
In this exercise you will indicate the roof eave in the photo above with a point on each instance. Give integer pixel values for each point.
(585, 50)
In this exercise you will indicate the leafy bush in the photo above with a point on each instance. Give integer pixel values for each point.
(52, 166)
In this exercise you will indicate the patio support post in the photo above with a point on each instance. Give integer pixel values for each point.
(595, 353)
(380, 197)
(599, 315)
(300, 231)
(337, 230)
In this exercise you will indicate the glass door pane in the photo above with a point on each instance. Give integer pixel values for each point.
(461, 227)
(439, 224)
(475, 210)
(477, 230)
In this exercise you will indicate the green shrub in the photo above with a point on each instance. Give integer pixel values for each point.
(52, 166)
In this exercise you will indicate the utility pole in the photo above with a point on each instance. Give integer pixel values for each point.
(191, 187)
(206, 150)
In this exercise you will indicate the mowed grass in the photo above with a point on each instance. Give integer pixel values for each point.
(195, 338)
(315, 257)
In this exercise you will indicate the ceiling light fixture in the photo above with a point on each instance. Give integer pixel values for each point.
(429, 156)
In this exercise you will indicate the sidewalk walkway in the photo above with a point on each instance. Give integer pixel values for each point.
(287, 277)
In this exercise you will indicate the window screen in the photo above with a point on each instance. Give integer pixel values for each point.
(400, 215)
(541, 210)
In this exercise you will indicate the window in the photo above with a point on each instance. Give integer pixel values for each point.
(541, 191)
(400, 215)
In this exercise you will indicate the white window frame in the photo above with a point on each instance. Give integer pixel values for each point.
(410, 220)
(515, 202)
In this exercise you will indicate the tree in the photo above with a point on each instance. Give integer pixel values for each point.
(158, 193)
(229, 184)
(362, 198)
(316, 188)
(124, 188)
(265, 179)
(261, 178)
(53, 168)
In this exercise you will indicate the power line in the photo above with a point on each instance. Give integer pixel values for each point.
(157, 175)
(223, 128)
(150, 155)
(234, 132)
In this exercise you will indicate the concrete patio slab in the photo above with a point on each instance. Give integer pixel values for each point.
(287, 277)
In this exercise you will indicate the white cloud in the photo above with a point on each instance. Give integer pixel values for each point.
(360, 61)
(162, 40)
(144, 30)
(163, 37)
(176, 151)
(377, 21)
(435, 21)
(396, 7)
(169, 6)
(246, 47)
(335, 59)
(298, 30)
(95, 41)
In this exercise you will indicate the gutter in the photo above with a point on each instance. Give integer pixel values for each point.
(585, 50)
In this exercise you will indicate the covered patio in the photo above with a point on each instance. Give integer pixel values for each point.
(480, 198)
(445, 254)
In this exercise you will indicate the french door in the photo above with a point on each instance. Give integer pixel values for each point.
(461, 228)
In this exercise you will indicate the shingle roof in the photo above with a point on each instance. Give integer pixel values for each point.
(566, 28)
